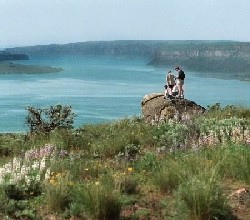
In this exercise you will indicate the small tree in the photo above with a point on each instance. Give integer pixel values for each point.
(48, 119)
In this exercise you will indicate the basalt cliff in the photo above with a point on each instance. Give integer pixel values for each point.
(220, 57)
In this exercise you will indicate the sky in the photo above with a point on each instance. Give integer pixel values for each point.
(42, 22)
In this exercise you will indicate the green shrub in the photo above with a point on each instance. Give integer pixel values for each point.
(18, 210)
(96, 200)
(22, 190)
(129, 185)
(193, 163)
(26, 214)
(168, 176)
(110, 162)
(235, 162)
(110, 139)
(171, 135)
(57, 194)
(203, 197)
(218, 112)
(64, 138)
(140, 214)
(148, 162)
(12, 144)
(48, 119)
(57, 198)
(3, 201)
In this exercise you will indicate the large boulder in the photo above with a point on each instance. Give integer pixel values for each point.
(155, 108)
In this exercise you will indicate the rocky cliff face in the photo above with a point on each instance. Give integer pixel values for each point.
(231, 57)
(156, 109)
(222, 51)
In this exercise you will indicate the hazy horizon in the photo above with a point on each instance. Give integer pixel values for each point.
(47, 44)
(110, 41)
(35, 22)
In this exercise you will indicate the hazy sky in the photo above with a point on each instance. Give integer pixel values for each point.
(33, 22)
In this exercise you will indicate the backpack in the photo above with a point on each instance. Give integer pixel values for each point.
(181, 75)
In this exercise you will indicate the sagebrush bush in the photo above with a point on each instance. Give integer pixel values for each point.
(171, 135)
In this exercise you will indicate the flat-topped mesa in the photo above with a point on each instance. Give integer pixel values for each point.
(155, 108)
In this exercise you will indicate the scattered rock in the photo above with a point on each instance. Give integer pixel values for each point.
(241, 195)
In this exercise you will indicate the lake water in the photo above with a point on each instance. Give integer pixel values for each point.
(102, 88)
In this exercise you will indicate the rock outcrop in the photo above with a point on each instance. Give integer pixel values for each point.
(155, 108)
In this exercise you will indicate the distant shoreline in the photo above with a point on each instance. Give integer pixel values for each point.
(226, 59)
(14, 68)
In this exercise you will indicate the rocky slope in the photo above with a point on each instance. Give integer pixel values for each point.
(231, 57)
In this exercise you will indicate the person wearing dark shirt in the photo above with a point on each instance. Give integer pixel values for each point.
(180, 81)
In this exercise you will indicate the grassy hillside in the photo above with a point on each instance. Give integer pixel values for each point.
(127, 169)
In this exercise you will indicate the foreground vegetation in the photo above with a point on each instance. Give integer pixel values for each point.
(128, 169)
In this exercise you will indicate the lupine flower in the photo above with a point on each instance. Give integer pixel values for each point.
(47, 150)
(32, 168)
(42, 164)
(47, 174)
(35, 165)
(62, 153)
(14, 172)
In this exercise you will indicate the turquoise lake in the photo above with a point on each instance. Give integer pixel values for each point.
(103, 88)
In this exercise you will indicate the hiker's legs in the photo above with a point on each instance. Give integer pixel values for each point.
(180, 89)
(170, 89)
(165, 90)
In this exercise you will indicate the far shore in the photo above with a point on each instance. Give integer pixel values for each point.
(10, 68)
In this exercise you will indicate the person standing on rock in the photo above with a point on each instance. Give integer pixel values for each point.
(170, 82)
(180, 76)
